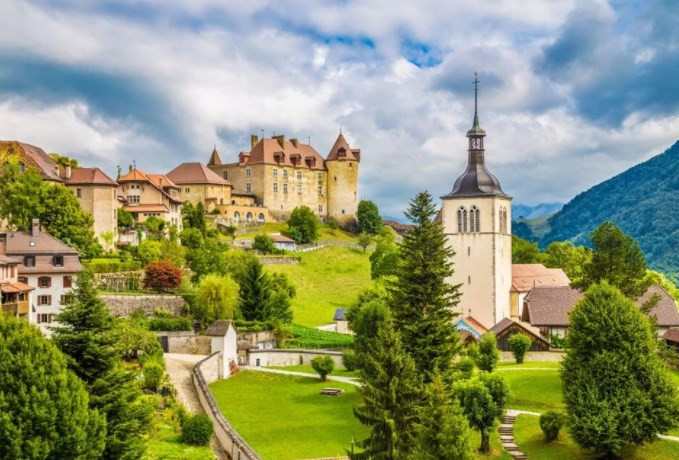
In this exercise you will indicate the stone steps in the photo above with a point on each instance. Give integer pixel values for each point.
(506, 431)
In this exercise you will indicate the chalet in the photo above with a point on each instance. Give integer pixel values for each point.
(507, 328)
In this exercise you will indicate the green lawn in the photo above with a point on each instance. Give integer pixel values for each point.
(527, 364)
(338, 372)
(530, 440)
(284, 417)
(164, 441)
(326, 279)
(325, 233)
(534, 390)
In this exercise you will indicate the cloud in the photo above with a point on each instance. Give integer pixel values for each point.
(571, 92)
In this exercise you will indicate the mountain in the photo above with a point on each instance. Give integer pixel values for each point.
(522, 211)
(640, 201)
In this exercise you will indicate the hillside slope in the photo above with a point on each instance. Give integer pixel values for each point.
(640, 201)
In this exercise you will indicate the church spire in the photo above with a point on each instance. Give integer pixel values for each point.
(476, 130)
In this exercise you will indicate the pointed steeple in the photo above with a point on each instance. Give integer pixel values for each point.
(214, 158)
(476, 128)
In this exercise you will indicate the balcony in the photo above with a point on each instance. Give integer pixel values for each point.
(16, 308)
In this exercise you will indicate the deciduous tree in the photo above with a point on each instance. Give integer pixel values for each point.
(303, 225)
(162, 275)
(368, 216)
(488, 355)
(216, 298)
(364, 240)
(385, 258)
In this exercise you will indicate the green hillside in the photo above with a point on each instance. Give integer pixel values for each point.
(639, 200)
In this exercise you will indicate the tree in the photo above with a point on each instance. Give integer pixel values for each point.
(255, 293)
(281, 283)
(519, 344)
(63, 161)
(155, 226)
(44, 406)
(423, 301)
(194, 216)
(442, 431)
(173, 251)
(108, 237)
(615, 387)
(366, 317)
(148, 251)
(230, 230)
(191, 238)
(125, 219)
(364, 240)
(303, 225)
(25, 196)
(216, 298)
(572, 259)
(161, 275)
(483, 400)
(209, 258)
(525, 252)
(391, 395)
(264, 244)
(279, 305)
(368, 216)
(617, 259)
(488, 354)
(323, 365)
(384, 259)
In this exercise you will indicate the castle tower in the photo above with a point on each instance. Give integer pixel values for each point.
(342, 164)
(476, 217)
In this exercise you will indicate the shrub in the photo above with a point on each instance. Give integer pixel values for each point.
(488, 354)
(332, 223)
(112, 265)
(324, 365)
(170, 324)
(197, 430)
(349, 360)
(551, 422)
(162, 276)
(153, 374)
(519, 344)
(465, 368)
(191, 238)
(264, 244)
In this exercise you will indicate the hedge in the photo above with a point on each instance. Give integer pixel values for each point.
(179, 323)
(112, 265)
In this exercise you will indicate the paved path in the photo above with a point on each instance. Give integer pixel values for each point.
(502, 369)
(180, 367)
(336, 378)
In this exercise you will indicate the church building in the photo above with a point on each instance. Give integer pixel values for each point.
(476, 217)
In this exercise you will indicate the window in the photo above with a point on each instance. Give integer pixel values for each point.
(299, 175)
(44, 300)
(335, 177)
(225, 175)
(320, 176)
(275, 173)
(68, 281)
(187, 190)
(285, 174)
(248, 217)
(66, 299)
(275, 187)
(79, 192)
(299, 189)
(474, 219)
(248, 187)
(320, 191)
(469, 280)
(261, 218)
(236, 216)
(22, 279)
(320, 209)
(44, 318)
(461, 220)
(133, 199)
(58, 261)
(29, 261)
(285, 188)
(248, 172)
(44, 282)
(22, 167)
(503, 219)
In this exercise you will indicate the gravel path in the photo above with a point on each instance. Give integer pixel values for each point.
(180, 367)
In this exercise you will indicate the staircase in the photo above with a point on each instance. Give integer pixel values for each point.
(506, 431)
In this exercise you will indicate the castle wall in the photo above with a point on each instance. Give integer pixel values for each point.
(342, 189)
(208, 194)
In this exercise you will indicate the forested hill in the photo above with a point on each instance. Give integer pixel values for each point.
(642, 201)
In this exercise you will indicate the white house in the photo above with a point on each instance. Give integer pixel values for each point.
(283, 242)
(224, 340)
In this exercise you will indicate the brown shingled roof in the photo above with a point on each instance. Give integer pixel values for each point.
(341, 143)
(15, 286)
(214, 158)
(161, 180)
(88, 176)
(195, 173)
(672, 335)
(36, 157)
(266, 149)
(527, 276)
(219, 328)
(146, 208)
(137, 175)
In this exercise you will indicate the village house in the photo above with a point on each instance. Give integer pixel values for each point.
(16, 296)
(145, 195)
(47, 266)
(284, 174)
(527, 276)
(283, 242)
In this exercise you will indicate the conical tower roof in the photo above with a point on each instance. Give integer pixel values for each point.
(341, 143)
(214, 158)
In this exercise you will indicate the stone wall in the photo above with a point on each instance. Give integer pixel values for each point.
(207, 371)
(186, 342)
(284, 357)
(124, 305)
(273, 260)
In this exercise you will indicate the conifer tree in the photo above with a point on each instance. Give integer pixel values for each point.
(391, 395)
(422, 299)
(255, 293)
(616, 388)
(443, 431)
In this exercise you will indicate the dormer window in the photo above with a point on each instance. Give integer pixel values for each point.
(58, 261)
(29, 261)
(342, 152)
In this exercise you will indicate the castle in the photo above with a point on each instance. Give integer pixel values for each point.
(282, 174)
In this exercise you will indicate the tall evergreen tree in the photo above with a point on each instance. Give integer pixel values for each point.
(255, 293)
(616, 388)
(391, 395)
(422, 299)
(44, 406)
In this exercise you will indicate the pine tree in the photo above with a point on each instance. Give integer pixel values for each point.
(616, 388)
(255, 293)
(423, 301)
(391, 394)
(443, 431)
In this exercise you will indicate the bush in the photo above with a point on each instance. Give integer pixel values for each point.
(332, 223)
(162, 276)
(153, 374)
(349, 360)
(264, 244)
(465, 368)
(112, 265)
(551, 422)
(488, 354)
(324, 365)
(197, 430)
(170, 324)
(519, 344)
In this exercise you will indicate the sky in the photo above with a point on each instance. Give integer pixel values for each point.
(571, 92)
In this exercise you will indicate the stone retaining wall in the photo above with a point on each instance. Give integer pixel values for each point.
(124, 305)
(284, 357)
(186, 342)
(267, 260)
(207, 371)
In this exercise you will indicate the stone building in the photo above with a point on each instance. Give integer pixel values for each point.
(283, 174)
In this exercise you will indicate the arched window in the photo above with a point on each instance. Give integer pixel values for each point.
(464, 220)
(236, 216)
(248, 217)
(459, 220)
(261, 218)
(503, 219)
(474, 219)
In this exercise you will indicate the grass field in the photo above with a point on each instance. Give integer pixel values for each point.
(530, 440)
(164, 441)
(283, 417)
(326, 279)
(338, 371)
(534, 390)
(325, 233)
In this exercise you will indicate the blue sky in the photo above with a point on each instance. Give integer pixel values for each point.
(572, 92)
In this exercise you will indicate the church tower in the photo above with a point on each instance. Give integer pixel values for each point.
(476, 217)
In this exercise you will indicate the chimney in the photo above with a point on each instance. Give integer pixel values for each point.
(295, 142)
(254, 139)
(281, 140)
(36, 228)
(68, 172)
(130, 168)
